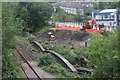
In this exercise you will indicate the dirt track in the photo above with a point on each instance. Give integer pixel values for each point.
(74, 38)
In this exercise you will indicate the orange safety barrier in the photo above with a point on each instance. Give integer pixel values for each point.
(78, 28)
(102, 29)
(92, 31)
(73, 27)
(56, 26)
(68, 27)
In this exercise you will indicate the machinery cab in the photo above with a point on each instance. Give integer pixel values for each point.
(90, 24)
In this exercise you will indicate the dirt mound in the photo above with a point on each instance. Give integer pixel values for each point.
(65, 36)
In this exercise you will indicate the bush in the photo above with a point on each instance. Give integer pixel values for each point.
(61, 49)
(66, 52)
(46, 59)
(71, 57)
(43, 29)
(30, 37)
(103, 52)
(47, 45)
(56, 68)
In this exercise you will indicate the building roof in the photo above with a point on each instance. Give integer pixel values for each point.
(107, 10)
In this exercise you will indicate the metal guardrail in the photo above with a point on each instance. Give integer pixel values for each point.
(69, 65)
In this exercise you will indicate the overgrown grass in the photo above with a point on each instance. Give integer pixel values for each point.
(47, 45)
(58, 70)
(46, 59)
(21, 74)
(43, 29)
(64, 50)
(49, 64)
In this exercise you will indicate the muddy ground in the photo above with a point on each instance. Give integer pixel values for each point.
(73, 38)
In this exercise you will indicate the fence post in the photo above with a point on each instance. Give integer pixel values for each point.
(85, 44)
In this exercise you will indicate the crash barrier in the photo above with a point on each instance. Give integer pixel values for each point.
(39, 45)
(66, 62)
(69, 65)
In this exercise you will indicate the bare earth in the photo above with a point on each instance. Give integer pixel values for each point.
(73, 38)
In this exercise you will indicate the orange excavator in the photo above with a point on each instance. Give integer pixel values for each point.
(90, 27)
(90, 24)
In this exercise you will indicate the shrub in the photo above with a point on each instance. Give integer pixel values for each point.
(56, 68)
(46, 59)
(61, 49)
(47, 45)
(66, 52)
(31, 37)
(103, 52)
(71, 57)
(43, 29)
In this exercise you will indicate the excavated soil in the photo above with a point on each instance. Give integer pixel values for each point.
(73, 38)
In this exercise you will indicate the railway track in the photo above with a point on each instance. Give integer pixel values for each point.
(25, 60)
(30, 67)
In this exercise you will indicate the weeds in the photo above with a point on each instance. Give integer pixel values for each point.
(61, 72)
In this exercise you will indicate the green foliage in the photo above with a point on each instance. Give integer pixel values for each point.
(30, 37)
(72, 57)
(11, 27)
(58, 70)
(112, 5)
(88, 13)
(35, 15)
(78, 17)
(61, 49)
(21, 74)
(66, 52)
(71, 18)
(47, 45)
(107, 5)
(46, 59)
(56, 17)
(10, 68)
(103, 52)
(43, 29)
(61, 15)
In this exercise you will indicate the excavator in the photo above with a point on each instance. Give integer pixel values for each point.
(91, 27)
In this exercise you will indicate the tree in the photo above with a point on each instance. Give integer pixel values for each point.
(11, 27)
(101, 5)
(107, 5)
(77, 16)
(103, 52)
(112, 5)
(88, 13)
(70, 17)
(60, 15)
(35, 15)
